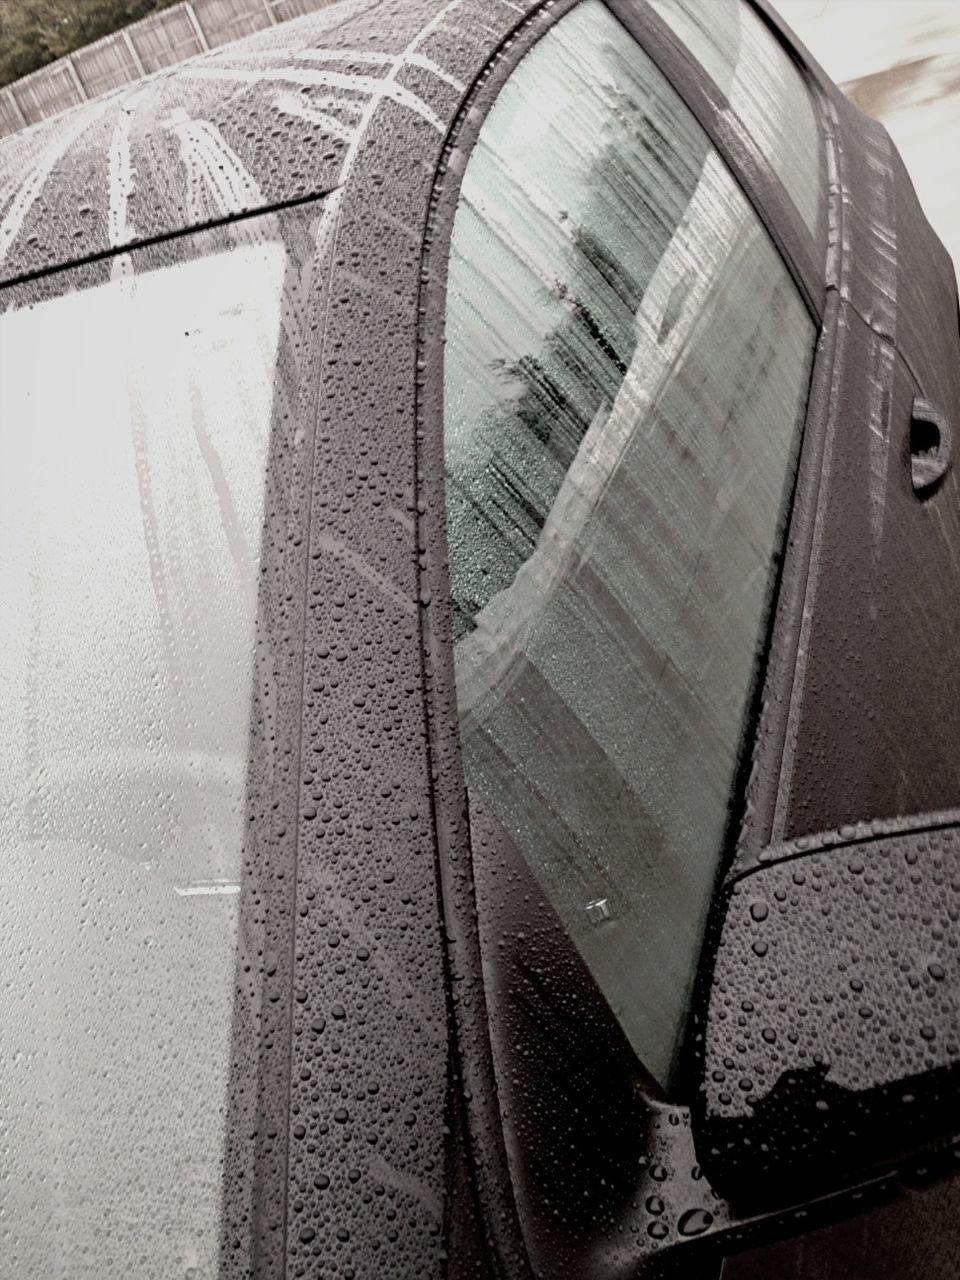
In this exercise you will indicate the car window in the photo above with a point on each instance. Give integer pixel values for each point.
(135, 419)
(763, 86)
(626, 370)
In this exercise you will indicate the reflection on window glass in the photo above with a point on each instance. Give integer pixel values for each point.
(764, 88)
(626, 367)
(134, 422)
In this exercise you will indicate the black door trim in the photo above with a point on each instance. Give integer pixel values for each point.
(768, 198)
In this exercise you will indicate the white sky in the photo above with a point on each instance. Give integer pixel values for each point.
(900, 59)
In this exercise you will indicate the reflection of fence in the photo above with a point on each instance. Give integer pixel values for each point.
(158, 41)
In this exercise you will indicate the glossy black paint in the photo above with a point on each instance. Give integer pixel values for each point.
(495, 1123)
(866, 600)
(833, 1038)
(859, 714)
(344, 1072)
(200, 143)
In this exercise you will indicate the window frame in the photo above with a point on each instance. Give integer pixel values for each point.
(802, 253)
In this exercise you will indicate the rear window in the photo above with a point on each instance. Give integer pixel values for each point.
(626, 371)
(135, 424)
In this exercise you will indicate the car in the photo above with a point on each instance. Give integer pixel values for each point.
(480, 556)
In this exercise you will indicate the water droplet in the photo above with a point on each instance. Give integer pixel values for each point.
(694, 1222)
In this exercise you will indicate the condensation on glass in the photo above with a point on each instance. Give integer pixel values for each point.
(135, 419)
(627, 366)
(763, 86)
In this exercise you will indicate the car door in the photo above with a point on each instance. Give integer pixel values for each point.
(643, 536)
(913, 1234)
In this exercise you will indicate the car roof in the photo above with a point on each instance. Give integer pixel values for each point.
(275, 118)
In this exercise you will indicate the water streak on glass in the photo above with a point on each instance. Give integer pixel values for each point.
(627, 366)
(763, 86)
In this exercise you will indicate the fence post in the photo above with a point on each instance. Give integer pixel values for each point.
(268, 8)
(75, 77)
(132, 50)
(195, 23)
(11, 97)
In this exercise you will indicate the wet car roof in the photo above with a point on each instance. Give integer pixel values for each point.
(275, 118)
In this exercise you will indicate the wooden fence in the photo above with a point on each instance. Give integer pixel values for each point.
(158, 41)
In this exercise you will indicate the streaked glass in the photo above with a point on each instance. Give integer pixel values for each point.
(626, 370)
(763, 85)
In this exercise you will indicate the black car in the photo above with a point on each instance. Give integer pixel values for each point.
(480, 562)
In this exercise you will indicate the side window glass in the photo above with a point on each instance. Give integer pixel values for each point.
(763, 86)
(626, 370)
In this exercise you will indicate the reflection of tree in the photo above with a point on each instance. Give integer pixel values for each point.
(641, 181)
(613, 516)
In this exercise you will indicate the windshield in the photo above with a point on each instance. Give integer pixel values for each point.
(135, 425)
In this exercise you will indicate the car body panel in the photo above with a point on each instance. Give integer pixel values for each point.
(875, 659)
(356, 780)
(358, 949)
(275, 118)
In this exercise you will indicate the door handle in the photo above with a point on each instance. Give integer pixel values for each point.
(931, 446)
